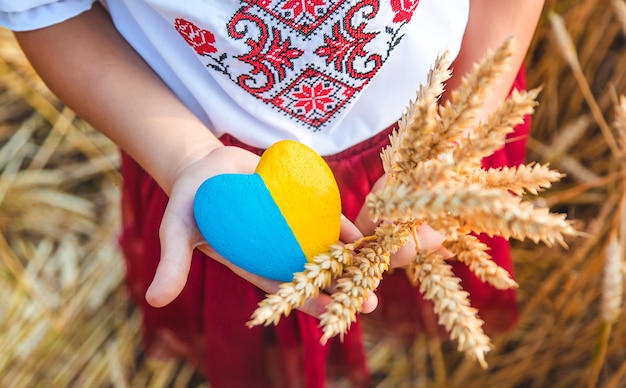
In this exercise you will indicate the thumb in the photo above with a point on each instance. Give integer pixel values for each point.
(348, 232)
(176, 239)
(363, 221)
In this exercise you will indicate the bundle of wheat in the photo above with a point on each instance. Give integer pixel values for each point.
(434, 176)
(571, 331)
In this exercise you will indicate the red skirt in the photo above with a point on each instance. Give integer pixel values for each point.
(206, 323)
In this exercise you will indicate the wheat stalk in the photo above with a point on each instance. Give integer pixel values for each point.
(613, 283)
(612, 292)
(619, 123)
(620, 11)
(458, 114)
(527, 178)
(490, 135)
(473, 253)
(305, 285)
(438, 284)
(568, 49)
(353, 288)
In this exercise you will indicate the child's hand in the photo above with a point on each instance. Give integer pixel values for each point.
(179, 234)
(428, 238)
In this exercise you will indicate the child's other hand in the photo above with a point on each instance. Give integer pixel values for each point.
(349, 232)
(429, 239)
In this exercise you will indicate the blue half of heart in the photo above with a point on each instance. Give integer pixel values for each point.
(238, 217)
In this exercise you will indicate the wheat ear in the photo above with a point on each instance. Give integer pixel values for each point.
(305, 285)
(438, 284)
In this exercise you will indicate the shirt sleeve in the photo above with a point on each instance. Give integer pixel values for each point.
(24, 15)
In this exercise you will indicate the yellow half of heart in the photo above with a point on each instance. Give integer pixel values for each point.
(304, 188)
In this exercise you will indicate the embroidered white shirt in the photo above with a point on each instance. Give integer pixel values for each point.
(329, 73)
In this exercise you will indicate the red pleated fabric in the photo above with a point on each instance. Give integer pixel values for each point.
(206, 323)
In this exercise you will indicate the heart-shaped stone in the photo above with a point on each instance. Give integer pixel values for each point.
(271, 222)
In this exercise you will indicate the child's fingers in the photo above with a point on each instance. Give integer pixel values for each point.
(349, 232)
(428, 239)
(368, 304)
(363, 220)
(177, 240)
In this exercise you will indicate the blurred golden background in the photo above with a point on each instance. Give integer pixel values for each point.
(65, 319)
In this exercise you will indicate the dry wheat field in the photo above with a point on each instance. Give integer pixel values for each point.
(65, 319)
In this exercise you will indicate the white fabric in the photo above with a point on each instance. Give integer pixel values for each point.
(23, 15)
(329, 73)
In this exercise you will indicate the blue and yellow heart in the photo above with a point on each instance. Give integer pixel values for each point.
(273, 221)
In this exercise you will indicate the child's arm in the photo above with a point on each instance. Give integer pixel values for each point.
(90, 67)
(490, 23)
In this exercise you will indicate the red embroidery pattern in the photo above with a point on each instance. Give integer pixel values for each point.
(300, 6)
(274, 60)
(273, 55)
(316, 97)
(348, 43)
(305, 16)
(201, 40)
(403, 9)
(313, 97)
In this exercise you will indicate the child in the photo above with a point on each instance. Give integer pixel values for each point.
(193, 89)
